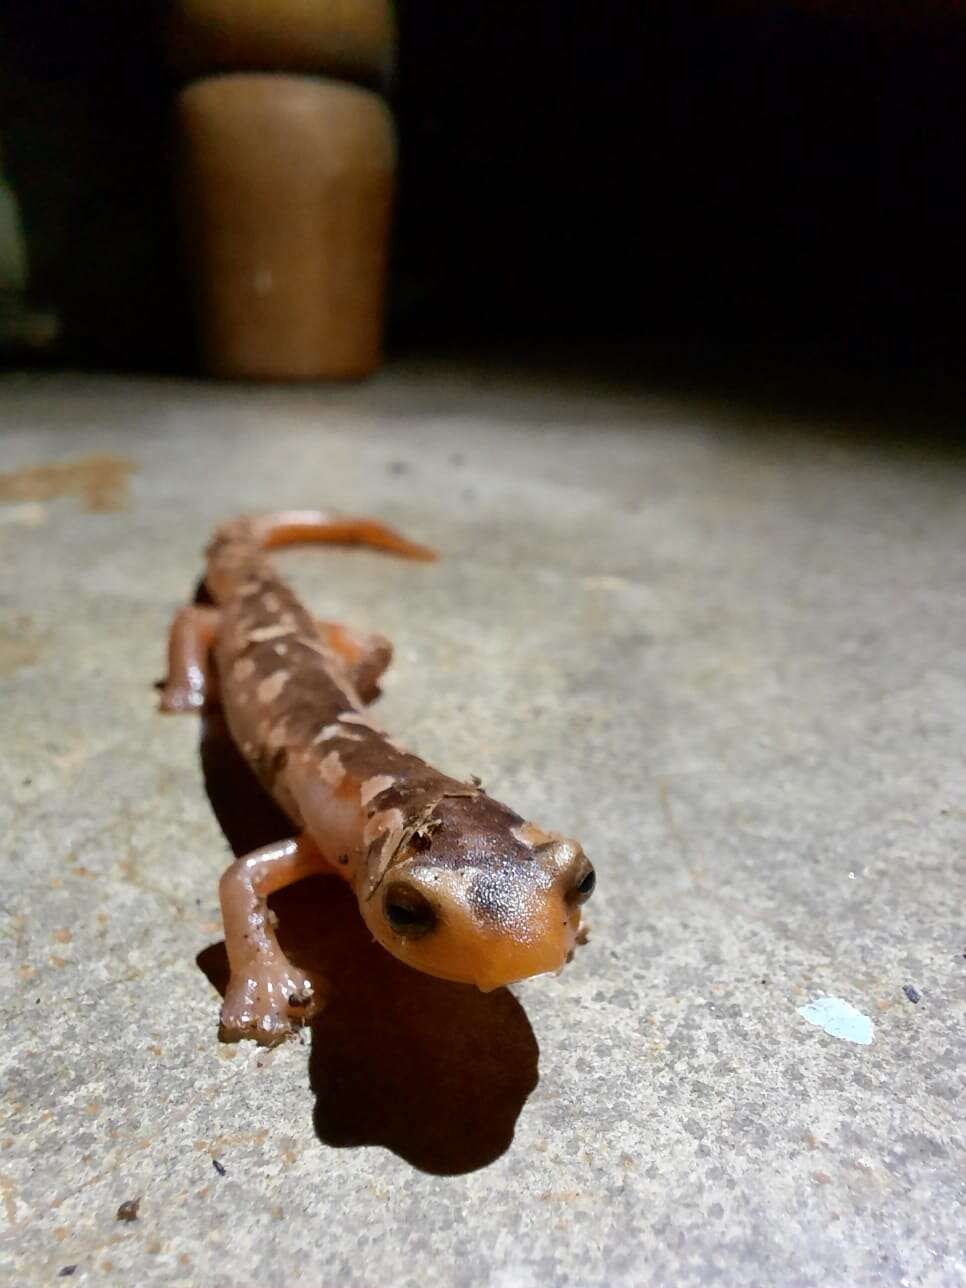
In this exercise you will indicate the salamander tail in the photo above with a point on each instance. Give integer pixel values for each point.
(238, 546)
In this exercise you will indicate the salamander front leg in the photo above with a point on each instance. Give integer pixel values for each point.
(267, 997)
(189, 684)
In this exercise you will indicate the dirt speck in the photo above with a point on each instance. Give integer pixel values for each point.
(128, 1211)
(18, 646)
(8, 1195)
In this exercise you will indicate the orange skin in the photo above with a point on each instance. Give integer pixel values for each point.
(447, 879)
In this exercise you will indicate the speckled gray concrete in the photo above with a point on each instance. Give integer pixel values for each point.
(730, 657)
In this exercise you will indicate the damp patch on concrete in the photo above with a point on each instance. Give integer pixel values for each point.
(101, 482)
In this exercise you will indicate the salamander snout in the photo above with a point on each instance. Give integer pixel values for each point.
(489, 922)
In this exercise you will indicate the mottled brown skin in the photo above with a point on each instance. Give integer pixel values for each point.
(447, 879)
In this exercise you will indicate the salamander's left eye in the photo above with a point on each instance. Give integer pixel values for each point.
(584, 888)
(408, 912)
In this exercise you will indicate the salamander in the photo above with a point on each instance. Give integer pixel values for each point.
(447, 879)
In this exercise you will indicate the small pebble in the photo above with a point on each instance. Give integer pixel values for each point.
(912, 994)
(64, 1271)
(219, 1167)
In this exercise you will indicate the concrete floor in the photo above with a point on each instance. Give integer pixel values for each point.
(725, 649)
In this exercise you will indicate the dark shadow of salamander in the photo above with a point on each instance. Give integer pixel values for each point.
(436, 1072)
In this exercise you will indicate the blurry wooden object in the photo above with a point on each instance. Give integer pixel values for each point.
(286, 191)
(350, 39)
(285, 183)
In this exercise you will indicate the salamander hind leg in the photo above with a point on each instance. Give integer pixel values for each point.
(365, 657)
(190, 680)
(267, 997)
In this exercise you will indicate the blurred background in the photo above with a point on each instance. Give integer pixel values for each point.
(680, 178)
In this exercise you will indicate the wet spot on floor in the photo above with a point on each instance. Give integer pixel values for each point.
(99, 482)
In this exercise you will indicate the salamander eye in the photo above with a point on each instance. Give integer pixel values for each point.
(584, 888)
(408, 912)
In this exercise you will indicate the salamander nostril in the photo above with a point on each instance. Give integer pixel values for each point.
(584, 888)
(408, 912)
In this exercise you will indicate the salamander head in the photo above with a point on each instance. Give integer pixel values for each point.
(480, 916)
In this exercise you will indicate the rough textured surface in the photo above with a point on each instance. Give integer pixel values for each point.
(725, 651)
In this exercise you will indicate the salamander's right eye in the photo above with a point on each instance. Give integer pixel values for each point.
(408, 912)
(584, 886)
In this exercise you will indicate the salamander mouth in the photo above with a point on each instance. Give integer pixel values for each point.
(502, 975)
(486, 986)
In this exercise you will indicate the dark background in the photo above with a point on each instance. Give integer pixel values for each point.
(665, 172)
